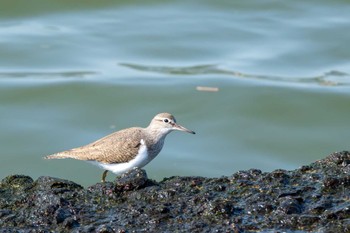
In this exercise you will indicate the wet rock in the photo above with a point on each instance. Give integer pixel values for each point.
(131, 180)
(103, 189)
(105, 229)
(291, 205)
(313, 198)
(16, 182)
(55, 185)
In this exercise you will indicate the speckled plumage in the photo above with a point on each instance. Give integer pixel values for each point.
(118, 147)
(115, 151)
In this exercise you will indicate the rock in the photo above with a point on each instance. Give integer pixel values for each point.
(313, 198)
(132, 180)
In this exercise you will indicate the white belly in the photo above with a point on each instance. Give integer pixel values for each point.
(139, 161)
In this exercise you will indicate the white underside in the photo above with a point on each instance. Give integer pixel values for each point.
(139, 161)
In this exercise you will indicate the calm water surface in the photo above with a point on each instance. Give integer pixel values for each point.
(71, 73)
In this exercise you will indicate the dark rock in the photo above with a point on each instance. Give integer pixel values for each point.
(313, 198)
(103, 189)
(105, 229)
(55, 185)
(290, 206)
(131, 180)
(20, 182)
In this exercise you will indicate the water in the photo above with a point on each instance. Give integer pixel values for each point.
(71, 73)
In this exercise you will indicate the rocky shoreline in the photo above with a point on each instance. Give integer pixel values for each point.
(313, 198)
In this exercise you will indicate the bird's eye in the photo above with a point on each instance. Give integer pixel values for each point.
(166, 120)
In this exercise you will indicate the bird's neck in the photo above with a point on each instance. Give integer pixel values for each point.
(156, 134)
(155, 140)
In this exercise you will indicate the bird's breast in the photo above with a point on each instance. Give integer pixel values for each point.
(155, 148)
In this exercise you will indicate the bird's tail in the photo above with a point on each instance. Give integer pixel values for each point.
(58, 156)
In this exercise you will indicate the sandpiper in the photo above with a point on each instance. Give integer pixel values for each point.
(126, 149)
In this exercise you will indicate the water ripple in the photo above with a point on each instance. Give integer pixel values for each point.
(66, 74)
(331, 78)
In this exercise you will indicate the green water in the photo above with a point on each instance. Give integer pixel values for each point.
(71, 73)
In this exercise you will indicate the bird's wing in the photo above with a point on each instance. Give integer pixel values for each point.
(118, 147)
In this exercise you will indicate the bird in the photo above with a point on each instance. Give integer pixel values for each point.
(126, 149)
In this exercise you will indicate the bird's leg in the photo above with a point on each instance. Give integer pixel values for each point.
(104, 176)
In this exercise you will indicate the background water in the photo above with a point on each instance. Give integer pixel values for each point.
(72, 72)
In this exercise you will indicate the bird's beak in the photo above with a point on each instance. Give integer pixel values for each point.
(181, 128)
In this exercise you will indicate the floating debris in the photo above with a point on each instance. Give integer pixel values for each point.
(210, 89)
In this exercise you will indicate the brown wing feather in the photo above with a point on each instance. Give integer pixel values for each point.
(118, 147)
